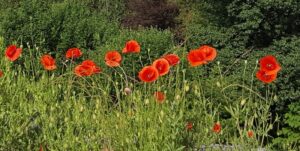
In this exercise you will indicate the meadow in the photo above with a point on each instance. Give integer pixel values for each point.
(76, 76)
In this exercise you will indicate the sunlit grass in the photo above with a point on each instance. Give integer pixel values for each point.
(66, 112)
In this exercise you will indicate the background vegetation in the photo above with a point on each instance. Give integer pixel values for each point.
(240, 30)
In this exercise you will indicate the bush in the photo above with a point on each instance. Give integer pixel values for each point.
(57, 25)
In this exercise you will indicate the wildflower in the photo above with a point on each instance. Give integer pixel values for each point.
(91, 63)
(148, 74)
(250, 133)
(210, 52)
(48, 62)
(269, 65)
(1, 73)
(262, 76)
(73, 53)
(159, 96)
(132, 46)
(196, 58)
(217, 127)
(87, 68)
(113, 58)
(189, 126)
(172, 59)
(12, 53)
(41, 148)
(162, 66)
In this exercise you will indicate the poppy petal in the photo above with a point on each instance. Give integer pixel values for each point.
(162, 66)
(148, 74)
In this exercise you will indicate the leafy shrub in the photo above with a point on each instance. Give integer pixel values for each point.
(57, 25)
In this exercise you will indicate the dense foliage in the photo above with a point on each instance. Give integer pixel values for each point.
(242, 31)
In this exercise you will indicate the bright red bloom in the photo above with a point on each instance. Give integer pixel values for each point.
(262, 76)
(172, 59)
(217, 127)
(82, 70)
(197, 57)
(41, 148)
(210, 52)
(113, 58)
(250, 133)
(162, 66)
(87, 68)
(73, 53)
(148, 74)
(189, 126)
(1, 73)
(132, 46)
(269, 64)
(159, 96)
(92, 64)
(48, 62)
(12, 53)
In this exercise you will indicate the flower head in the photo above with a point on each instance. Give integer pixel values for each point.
(12, 53)
(262, 76)
(210, 52)
(172, 59)
(48, 62)
(269, 65)
(196, 58)
(113, 58)
(189, 126)
(87, 68)
(162, 66)
(1, 73)
(73, 53)
(159, 96)
(217, 127)
(132, 46)
(148, 74)
(250, 133)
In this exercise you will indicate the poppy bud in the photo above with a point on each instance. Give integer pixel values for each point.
(127, 91)
(147, 101)
(218, 84)
(243, 102)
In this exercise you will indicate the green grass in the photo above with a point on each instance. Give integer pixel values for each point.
(65, 112)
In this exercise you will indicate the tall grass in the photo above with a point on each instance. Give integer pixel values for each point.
(65, 112)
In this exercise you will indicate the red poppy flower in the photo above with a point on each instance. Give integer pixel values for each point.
(41, 148)
(132, 46)
(210, 52)
(196, 57)
(148, 74)
(250, 133)
(217, 127)
(12, 52)
(262, 76)
(113, 58)
(189, 126)
(82, 70)
(1, 73)
(159, 96)
(92, 64)
(162, 66)
(48, 62)
(73, 53)
(87, 68)
(269, 64)
(172, 59)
